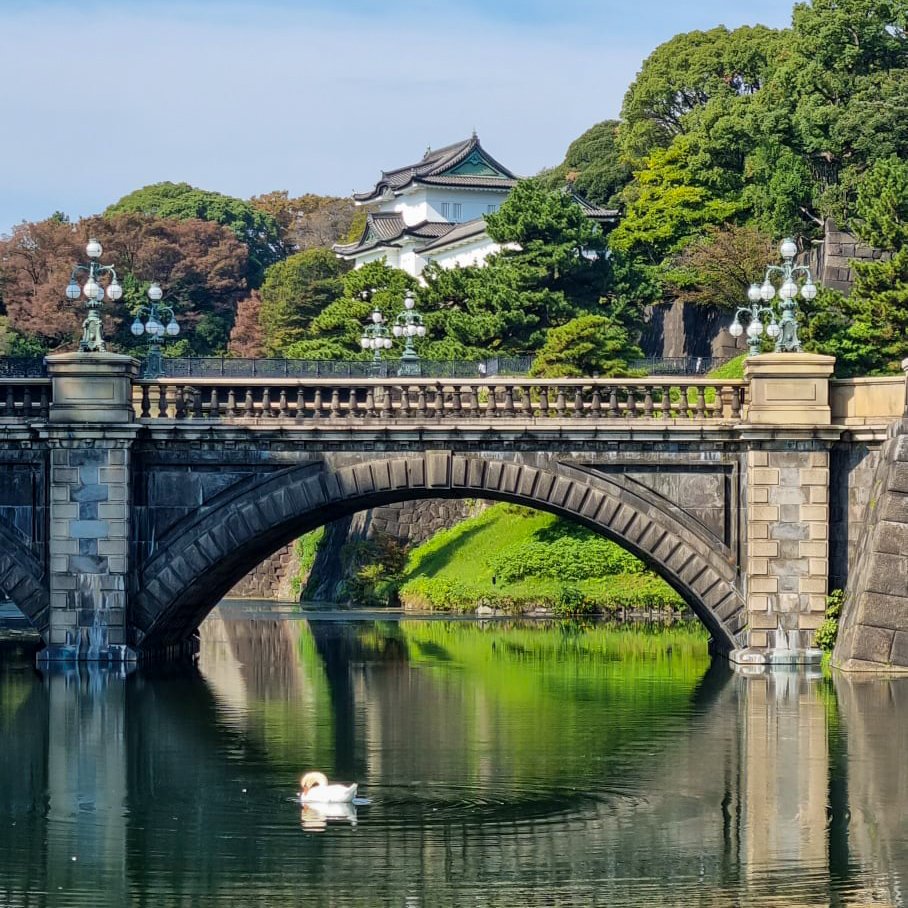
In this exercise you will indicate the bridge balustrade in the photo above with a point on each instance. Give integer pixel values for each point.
(688, 400)
(24, 398)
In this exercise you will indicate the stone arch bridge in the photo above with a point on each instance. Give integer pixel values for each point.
(128, 508)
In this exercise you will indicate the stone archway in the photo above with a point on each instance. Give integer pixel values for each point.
(23, 580)
(200, 558)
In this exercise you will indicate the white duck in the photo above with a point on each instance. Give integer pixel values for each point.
(314, 789)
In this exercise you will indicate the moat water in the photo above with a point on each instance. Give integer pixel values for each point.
(504, 764)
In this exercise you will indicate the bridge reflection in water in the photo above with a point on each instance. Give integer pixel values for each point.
(505, 766)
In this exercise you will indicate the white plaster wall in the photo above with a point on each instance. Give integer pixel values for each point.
(391, 257)
(473, 253)
(410, 261)
(425, 204)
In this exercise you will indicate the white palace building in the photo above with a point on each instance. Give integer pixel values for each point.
(433, 211)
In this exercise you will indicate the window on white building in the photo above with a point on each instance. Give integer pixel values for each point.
(446, 210)
(457, 211)
(491, 209)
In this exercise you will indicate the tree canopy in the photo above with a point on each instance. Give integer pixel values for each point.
(180, 201)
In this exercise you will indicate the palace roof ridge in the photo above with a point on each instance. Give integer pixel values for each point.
(433, 169)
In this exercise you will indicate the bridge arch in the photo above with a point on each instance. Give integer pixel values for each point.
(202, 557)
(23, 579)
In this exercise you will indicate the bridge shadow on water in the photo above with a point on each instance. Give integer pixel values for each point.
(171, 784)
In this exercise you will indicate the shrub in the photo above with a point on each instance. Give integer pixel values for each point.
(825, 635)
(571, 603)
(568, 556)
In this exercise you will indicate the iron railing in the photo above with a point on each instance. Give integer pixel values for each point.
(678, 365)
(22, 367)
(229, 367)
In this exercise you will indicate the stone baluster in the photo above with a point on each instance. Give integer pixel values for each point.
(544, 402)
(370, 402)
(387, 403)
(666, 402)
(579, 411)
(560, 408)
(456, 403)
(613, 410)
(352, 404)
(180, 403)
(404, 412)
(596, 403)
(197, 412)
(266, 403)
(145, 409)
(214, 405)
(170, 397)
(283, 409)
(300, 412)
(472, 407)
(492, 404)
(421, 406)
(701, 402)
(509, 400)
(648, 402)
(439, 401)
(335, 412)
(631, 410)
(736, 402)
(44, 411)
(526, 402)
(683, 404)
(249, 404)
(317, 404)
(230, 412)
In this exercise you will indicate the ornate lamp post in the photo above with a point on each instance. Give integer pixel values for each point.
(92, 339)
(376, 336)
(409, 324)
(785, 331)
(156, 329)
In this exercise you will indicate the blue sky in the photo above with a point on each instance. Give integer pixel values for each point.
(103, 97)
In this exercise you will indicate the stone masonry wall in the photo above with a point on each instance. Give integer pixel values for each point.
(874, 627)
(831, 260)
(787, 522)
(271, 579)
(89, 533)
(852, 468)
(409, 522)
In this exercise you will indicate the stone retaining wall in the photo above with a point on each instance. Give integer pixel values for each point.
(874, 629)
(830, 261)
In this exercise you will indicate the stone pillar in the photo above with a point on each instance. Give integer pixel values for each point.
(90, 435)
(786, 565)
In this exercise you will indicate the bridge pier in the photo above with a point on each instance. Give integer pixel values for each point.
(89, 435)
(788, 434)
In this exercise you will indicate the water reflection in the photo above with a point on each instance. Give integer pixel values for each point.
(504, 765)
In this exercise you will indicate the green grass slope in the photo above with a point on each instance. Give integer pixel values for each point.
(516, 559)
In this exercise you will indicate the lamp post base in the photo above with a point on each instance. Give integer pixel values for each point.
(410, 366)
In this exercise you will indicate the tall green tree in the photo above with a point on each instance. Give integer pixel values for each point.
(867, 331)
(593, 166)
(295, 291)
(180, 201)
(336, 331)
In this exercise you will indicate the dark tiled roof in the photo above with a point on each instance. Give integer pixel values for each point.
(388, 230)
(594, 212)
(469, 180)
(436, 163)
(460, 232)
